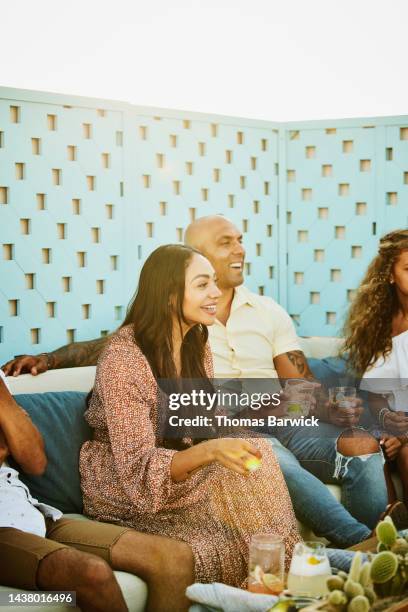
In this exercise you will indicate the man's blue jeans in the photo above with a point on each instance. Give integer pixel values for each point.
(308, 461)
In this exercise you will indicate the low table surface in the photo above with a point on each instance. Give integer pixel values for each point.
(369, 545)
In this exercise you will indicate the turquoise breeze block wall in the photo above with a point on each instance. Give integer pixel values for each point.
(346, 185)
(88, 188)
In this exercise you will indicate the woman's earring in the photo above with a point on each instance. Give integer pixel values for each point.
(392, 281)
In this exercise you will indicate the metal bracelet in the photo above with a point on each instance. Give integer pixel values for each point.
(381, 416)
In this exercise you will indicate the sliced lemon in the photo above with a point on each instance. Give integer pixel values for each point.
(252, 464)
(257, 573)
(294, 408)
(313, 560)
(272, 582)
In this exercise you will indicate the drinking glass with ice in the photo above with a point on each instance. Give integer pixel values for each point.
(309, 570)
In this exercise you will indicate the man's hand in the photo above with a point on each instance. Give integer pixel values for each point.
(69, 356)
(345, 417)
(26, 364)
(391, 446)
(4, 449)
(298, 397)
(396, 422)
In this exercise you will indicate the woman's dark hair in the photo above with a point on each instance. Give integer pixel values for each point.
(158, 298)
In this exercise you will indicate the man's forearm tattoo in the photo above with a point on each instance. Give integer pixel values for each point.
(298, 359)
(78, 353)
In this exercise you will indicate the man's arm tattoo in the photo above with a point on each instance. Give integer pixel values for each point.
(77, 354)
(298, 359)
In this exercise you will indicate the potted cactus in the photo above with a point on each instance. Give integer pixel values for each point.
(353, 591)
(375, 584)
(389, 568)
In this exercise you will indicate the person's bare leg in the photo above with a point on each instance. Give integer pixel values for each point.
(355, 442)
(91, 577)
(167, 566)
(392, 495)
(402, 463)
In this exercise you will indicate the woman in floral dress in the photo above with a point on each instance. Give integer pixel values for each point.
(201, 493)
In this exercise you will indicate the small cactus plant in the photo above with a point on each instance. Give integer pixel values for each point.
(385, 574)
(359, 604)
(353, 588)
(384, 567)
(352, 592)
(389, 568)
(400, 547)
(338, 598)
(386, 532)
(364, 577)
(370, 594)
(335, 583)
(355, 568)
(381, 547)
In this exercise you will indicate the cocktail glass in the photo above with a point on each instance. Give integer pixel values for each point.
(309, 570)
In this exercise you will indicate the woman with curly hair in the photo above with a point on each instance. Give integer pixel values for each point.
(377, 342)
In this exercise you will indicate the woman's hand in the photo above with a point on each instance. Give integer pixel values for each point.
(233, 453)
(345, 417)
(391, 446)
(397, 422)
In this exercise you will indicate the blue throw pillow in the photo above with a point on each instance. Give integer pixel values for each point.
(60, 418)
(331, 371)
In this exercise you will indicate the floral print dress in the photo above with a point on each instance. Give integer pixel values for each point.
(125, 475)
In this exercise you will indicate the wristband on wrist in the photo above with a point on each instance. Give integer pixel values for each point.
(49, 360)
(381, 417)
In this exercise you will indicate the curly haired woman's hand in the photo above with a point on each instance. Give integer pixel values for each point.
(396, 422)
(345, 417)
(391, 446)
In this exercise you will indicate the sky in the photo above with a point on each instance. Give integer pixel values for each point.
(279, 60)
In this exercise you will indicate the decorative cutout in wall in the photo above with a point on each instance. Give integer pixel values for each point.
(89, 188)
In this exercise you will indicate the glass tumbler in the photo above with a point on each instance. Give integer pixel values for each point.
(266, 564)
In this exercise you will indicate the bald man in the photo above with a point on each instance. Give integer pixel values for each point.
(253, 337)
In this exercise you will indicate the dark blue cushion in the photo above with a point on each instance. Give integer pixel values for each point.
(60, 418)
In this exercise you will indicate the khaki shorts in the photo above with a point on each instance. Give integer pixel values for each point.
(21, 552)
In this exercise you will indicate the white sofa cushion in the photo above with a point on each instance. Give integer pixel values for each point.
(65, 379)
(81, 379)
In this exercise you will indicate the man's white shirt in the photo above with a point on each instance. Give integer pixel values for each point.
(18, 508)
(257, 331)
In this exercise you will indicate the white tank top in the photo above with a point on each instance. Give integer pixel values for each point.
(389, 376)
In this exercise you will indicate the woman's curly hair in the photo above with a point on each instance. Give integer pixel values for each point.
(368, 328)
